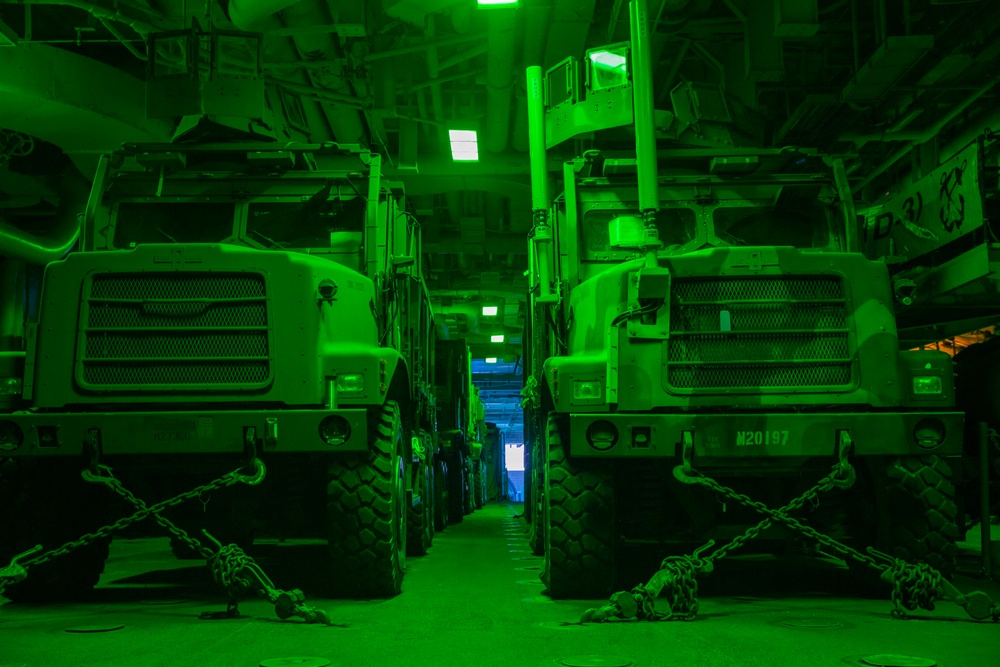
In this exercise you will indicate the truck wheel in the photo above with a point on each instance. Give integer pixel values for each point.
(48, 503)
(579, 514)
(477, 485)
(440, 495)
(920, 504)
(456, 488)
(419, 519)
(366, 514)
(536, 531)
(468, 503)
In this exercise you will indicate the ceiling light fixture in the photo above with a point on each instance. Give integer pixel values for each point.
(489, 311)
(491, 360)
(464, 145)
(498, 338)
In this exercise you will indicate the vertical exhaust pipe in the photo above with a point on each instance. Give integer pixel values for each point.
(645, 134)
(541, 236)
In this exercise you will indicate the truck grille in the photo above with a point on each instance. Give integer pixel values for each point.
(759, 333)
(175, 331)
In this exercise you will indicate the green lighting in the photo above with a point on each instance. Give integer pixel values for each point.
(491, 360)
(497, 338)
(464, 145)
(497, 3)
(608, 59)
(489, 311)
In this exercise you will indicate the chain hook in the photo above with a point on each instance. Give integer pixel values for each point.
(260, 471)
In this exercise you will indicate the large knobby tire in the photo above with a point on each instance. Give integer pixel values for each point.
(440, 495)
(536, 530)
(47, 502)
(456, 487)
(579, 515)
(920, 502)
(420, 517)
(478, 485)
(468, 481)
(366, 513)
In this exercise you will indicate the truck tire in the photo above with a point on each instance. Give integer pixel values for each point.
(48, 503)
(536, 531)
(420, 519)
(366, 514)
(468, 503)
(920, 501)
(478, 485)
(440, 495)
(579, 516)
(456, 488)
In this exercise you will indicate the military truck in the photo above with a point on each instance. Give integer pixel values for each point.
(232, 300)
(460, 425)
(932, 229)
(702, 304)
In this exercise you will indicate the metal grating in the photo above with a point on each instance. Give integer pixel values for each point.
(759, 333)
(174, 331)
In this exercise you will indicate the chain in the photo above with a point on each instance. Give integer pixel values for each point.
(913, 586)
(232, 569)
(104, 476)
(831, 481)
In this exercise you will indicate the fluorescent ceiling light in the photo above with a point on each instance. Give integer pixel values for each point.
(497, 338)
(496, 3)
(489, 310)
(464, 145)
(491, 360)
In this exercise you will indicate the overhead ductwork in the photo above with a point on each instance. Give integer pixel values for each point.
(345, 120)
(248, 14)
(73, 190)
(499, 78)
(568, 30)
(81, 105)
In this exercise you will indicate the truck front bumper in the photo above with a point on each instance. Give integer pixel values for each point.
(728, 439)
(183, 432)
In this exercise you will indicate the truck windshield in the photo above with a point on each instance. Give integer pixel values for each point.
(806, 225)
(304, 224)
(172, 222)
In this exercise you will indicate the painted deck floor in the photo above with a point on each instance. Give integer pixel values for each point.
(476, 600)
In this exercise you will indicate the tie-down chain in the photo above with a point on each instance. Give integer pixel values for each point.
(231, 568)
(913, 586)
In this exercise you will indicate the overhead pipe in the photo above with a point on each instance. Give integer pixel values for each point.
(645, 137)
(344, 119)
(433, 71)
(122, 40)
(462, 56)
(537, 25)
(248, 14)
(499, 78)
(425, 46)
(115, 14)
(444, 79)
(915, 138)
(541, 236)
(19, 245)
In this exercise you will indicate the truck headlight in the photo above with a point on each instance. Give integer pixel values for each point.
(352, 383)
(927, 384)
(11, 436)
(334, 430)
(587, 390)
(10, 386)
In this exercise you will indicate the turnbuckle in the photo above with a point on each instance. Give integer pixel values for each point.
(977, 604)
